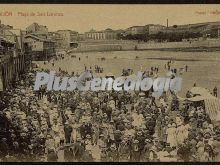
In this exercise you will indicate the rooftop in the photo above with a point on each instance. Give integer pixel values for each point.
(6, 40)
(38, 38)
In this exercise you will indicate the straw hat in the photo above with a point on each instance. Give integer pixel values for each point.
(101, 135)
(113, 146)
(88, 136)
(136, 141)
(147, 140)
(139, 133)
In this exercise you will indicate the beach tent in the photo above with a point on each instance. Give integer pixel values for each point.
(110, 75)
(212, 104)
(201, 91)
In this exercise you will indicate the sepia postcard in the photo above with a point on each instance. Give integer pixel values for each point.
(109, 83)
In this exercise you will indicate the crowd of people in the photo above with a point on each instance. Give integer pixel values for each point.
(103, 126)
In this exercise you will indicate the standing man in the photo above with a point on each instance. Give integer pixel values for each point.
(68, 131)
(215, 91)
(135, 151)
(186, 68)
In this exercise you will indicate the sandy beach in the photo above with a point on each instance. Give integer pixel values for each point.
(204, 67)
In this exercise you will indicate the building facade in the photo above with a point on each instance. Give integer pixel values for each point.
(135, 30)
(147, 29)
(69, 38)
(153, 29)
(12, 63)
(3, 26)
(39, 48)
(57, 38)
(81, 37)
(37, 29)
(107, 34)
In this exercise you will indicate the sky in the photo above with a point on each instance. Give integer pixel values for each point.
(84, 17)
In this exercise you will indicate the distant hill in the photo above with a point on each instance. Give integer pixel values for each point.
(198, 27)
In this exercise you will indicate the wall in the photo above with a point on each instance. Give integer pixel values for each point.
(37, 46)
(132, 45)
(170, 45)
(106, 45)
(115, 47)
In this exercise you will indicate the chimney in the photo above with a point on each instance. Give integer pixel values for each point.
(167, 23)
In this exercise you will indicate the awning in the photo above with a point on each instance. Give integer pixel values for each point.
(212, 104)
(6, 40)
(201, 91)
(2, 39)
(110, 75)
(196, 98)
(212, 107)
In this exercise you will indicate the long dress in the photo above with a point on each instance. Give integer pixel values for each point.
(95, 135)
(158, 129)
(186, 131)
(57, 141)
(50, 144)
(216, 149)
(171, 136)
(111, 131)
(200, 150)
(138, 120)
(74, 133)
(135, 119)
(179, 121)
(62, 135)
(180, 134)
